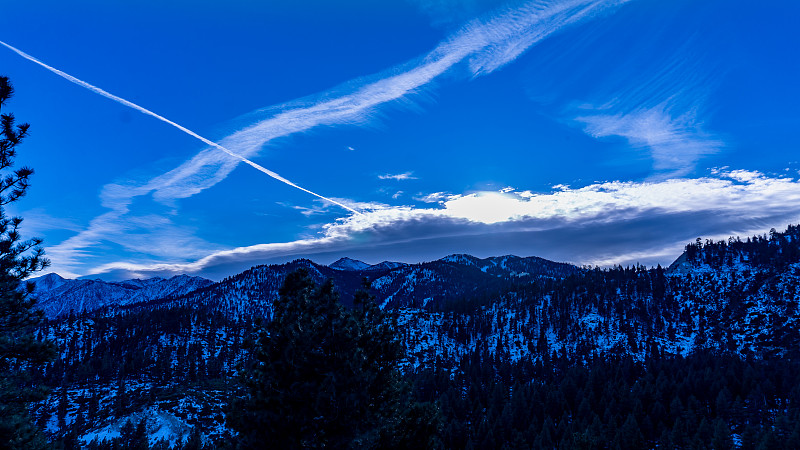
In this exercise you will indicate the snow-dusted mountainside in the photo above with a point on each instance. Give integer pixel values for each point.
(58, 296)
(737, 298)
(394, 284)
(460, 277)
(252, 291)
(387, 265)
(356, 265)
(349, 264)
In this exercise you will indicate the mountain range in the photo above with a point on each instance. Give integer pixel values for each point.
(58, 296)
(252, 291)
(169, 347)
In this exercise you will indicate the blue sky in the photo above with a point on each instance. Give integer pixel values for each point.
(588, 131)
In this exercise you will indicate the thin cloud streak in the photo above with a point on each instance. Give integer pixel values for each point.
(508, 36)
(675, 143)
(660, 113)
(398, 177)
(151, 236)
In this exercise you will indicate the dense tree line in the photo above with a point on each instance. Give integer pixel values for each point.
(701, 401)
(527, 349)
(777, 249)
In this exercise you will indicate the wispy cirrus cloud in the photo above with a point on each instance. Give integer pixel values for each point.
(644, 77)
(483, 45)
(587, 225)
(434, 197)
(675, 142)
(659, 110)
(148, 237)
(321, 207)
(398, 177)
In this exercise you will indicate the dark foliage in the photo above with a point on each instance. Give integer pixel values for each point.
(778, 249)
(665, 402)
(586, 359)
(326, 377)
(21, 352)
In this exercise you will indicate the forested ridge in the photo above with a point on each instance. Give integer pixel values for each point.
(702, 354)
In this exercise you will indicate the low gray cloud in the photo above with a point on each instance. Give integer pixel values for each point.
(601, 224)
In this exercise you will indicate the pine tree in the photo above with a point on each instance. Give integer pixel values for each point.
(21, 352)
(326, 376)
(722, 435)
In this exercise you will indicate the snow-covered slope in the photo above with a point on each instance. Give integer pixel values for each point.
(349, 264)
(393, 284)
(741, 298)
(387, 265)
(58, 296)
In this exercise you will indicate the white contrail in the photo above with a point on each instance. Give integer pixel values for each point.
(143, 110)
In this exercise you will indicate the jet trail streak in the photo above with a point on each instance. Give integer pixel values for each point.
(143, 110)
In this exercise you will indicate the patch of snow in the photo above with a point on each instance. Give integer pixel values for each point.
(349, 264)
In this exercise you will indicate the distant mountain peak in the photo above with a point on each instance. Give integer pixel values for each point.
(57, 295)
(49, 281)
(52, 276)
(349, 264)
(460, 258)
(387, 265)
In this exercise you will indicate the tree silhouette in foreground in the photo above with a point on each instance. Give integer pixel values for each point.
(21, 353)
(326, 376)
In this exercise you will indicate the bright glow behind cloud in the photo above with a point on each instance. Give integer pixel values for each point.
(603, 223)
